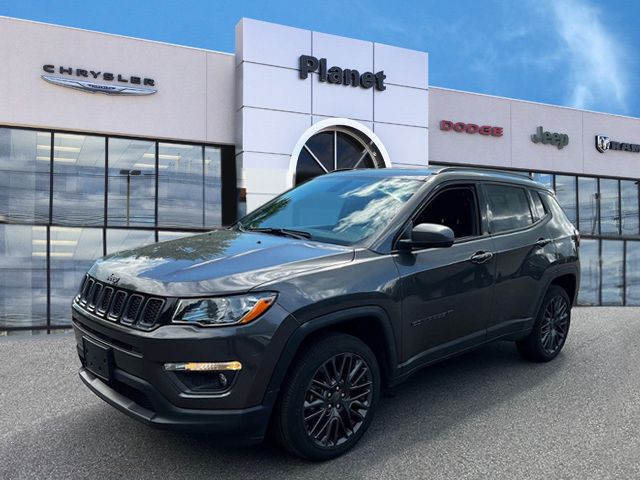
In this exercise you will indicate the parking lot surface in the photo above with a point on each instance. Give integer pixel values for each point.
(484, 415)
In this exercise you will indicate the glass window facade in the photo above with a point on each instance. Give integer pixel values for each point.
(24, 176)
(609, 206)
(629, 207)
(108, 194)
(587, 205)
(612, 267)
(132, 183)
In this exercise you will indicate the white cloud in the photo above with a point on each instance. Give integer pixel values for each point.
(594, 58)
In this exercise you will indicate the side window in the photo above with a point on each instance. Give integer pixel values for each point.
(508, 208)
(538, 206)
(456, 208)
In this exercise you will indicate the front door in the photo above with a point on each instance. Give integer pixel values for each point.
(447, 292)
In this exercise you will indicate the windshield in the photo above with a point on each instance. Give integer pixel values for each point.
(335, 209)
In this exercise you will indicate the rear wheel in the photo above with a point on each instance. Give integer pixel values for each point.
(550, 329)
(329, 399)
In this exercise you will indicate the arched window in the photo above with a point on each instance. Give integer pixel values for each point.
(336, 147)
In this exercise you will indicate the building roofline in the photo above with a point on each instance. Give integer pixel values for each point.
(433, 87)
(146, 40)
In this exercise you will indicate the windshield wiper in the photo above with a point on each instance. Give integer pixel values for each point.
(285, 232)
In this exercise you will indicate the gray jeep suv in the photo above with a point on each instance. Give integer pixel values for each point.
(299, 315)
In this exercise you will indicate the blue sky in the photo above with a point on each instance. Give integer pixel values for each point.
(577, 53)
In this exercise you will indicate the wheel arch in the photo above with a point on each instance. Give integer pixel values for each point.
(568, 282)
(371, 324)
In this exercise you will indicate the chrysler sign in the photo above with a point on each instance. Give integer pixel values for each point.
(604, 143)
(92, 81)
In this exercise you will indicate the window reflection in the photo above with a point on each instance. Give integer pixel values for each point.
(78, 179)
(590, 272)
(164, 236)
(588, 198)
(566, 195)
(180, 185)
(212, 187)
(629, 201)
(612, 272)
(544, 178)
(73, 251)
(132, 183)
(24, 176)
(119, 240)
(609, 207)
(633, 273)
(23, 276)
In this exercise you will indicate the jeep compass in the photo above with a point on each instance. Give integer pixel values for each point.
(294, 319)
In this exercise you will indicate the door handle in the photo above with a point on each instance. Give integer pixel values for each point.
(542, 242)
(481, 257)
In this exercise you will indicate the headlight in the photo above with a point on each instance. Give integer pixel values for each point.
(234, 310)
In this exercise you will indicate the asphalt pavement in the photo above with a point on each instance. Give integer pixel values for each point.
(484, 415)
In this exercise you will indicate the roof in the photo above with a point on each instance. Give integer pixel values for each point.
(456, 173)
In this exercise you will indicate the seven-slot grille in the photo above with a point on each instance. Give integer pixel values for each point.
(117, 305)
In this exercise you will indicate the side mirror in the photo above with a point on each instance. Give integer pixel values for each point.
(428, 235)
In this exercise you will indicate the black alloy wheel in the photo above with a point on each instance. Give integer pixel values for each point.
(329, 397)
(338, 399)
(550, 329)
(555, 324)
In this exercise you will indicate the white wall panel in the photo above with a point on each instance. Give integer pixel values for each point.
(612, 162)
(526, 118)
(402, 66)
(334, 100)
(270, 44)
(343, 52)
(464, 148)
(276, 88)
(271, 130)
(407, 146)
(179, 110)
(402, 105)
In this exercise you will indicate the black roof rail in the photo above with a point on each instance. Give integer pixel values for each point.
(485, 170)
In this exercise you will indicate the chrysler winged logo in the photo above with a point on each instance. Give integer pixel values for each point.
(602, 143)
(92, 87)
(113, 279)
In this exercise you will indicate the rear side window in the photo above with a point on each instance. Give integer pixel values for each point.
(508, 208)
(538, 206)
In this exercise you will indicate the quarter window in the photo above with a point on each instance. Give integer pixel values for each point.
(538, 206)
(508, 208)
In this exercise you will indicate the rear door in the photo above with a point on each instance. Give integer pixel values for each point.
(524, 253)
(447, 292)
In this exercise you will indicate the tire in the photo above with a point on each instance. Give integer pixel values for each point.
(550, 329)
(335, 384)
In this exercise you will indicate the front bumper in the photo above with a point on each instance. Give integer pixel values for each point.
(139, 386)
(243, 425)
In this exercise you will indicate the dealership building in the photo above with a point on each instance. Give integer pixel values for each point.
(109, 142)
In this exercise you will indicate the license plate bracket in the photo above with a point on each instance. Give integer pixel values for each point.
(97, 359)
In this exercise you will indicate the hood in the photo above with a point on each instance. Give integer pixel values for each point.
(217, 262)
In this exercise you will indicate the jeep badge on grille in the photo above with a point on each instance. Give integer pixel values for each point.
(113, 278)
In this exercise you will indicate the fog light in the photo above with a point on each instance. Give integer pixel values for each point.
(202, 366)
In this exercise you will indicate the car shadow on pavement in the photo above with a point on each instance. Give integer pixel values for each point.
(99, 442)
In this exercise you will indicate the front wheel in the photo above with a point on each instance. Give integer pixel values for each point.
(329, 399)
(550, 329)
